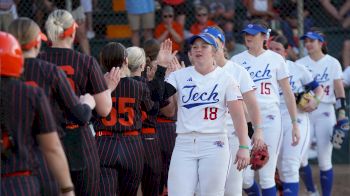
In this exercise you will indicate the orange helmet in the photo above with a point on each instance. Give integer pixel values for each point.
(11, 58)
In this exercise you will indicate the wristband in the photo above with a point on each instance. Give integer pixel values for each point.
(257, 127)
(318, 100)
(67, 189)
(294, 120)
(340, 103)
(243, 147)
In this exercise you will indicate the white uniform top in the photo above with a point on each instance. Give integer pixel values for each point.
(346, 76)
(299, 76)
(265, 70)
(202, 99)
(324, 71)
(246, 84)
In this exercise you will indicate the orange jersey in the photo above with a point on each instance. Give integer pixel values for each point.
(197, 28)
(160, 29)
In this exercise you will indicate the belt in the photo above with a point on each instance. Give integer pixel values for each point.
(111, 133)
(18, 173)
(148, 130)
(163, 120)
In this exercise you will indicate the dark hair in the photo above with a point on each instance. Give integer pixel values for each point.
(324, 48)
(282, 40)
(151, 48)
(113, 54)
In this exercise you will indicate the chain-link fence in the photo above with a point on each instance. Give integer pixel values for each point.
(108, 19)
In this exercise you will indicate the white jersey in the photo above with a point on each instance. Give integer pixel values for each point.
(346, 77)
(246, 84)
(265, 70)
(299, 76)
(324, 71)
(202, 99)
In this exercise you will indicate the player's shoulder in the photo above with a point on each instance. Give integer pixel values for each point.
(274, 55)
(239, 56)
(331, 60)
(304, 60)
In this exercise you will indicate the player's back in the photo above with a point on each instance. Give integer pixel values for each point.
(83, 71)
(127, 99)
(24, 114)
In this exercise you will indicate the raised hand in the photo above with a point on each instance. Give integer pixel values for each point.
(112, 78)
(165, 55)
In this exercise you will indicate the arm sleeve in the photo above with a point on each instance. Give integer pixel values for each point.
(246, 82)
(156, 86)
(338, 74)
(306, 77)
(282, 70)
(232, 91)
(44, 121)
(170, 86)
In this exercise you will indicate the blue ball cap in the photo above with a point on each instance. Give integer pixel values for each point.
(313, 36)
(253, 29)
(215, 32)
(209, 39)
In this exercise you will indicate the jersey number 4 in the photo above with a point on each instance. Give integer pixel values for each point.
(128, 120)
(210, 113)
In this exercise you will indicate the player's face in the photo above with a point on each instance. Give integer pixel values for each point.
(312, 45)
(278, 48)
(254, 41)
(201, 52)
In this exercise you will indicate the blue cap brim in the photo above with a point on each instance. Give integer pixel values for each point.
(208, 40)
(311, 36)
(250, 31)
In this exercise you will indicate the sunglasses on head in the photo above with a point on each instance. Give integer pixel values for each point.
(167, 16)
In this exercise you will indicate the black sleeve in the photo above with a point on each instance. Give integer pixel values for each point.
(156, 85)
(169, 90)
(82, 113)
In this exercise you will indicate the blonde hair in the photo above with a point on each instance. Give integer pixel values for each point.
(24, 29)
(57, 22)
(136, 58)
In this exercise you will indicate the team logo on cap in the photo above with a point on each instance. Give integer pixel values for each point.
(250, 26)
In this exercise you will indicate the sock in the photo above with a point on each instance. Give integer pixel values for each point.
(290, 189)
(270, 191)
(326, 182)
(253, 190)
(306, 176)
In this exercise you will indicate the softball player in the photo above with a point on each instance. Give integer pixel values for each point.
(290, 156)
(326, 70)
(85, 76)
(235, 178)
(269, 71)
(65, 104)
(152, 157)
(204, 93)
(165, 126)
(26, 120)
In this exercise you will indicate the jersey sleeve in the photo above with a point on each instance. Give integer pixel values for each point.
(346, 76)
(246, 82)
(44, 121)
(171, 79)
(338, 74)
(282, 70)
(232, 91)
(96, 81)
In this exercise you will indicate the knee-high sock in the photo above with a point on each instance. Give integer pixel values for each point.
(253, 190)
(270, 191)
(326, 182)
(290, 189)
(306, 176)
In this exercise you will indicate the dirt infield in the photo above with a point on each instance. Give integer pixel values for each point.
(341, 185)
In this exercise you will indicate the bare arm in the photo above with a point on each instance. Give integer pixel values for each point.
(51, 147)
(339, 89)
(240, 124)
(255, 116)
(330, 9)
(103, 103)
(170, 109)
(292, 108)
(175, 35)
